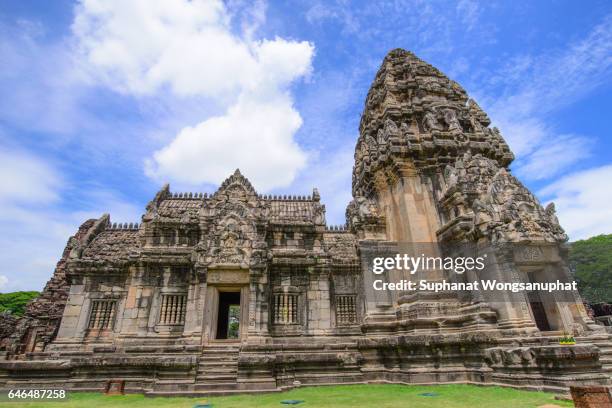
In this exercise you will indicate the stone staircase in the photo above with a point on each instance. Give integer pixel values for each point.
(218, 368)
(605, 348)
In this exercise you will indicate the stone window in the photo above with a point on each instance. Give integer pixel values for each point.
(346, 311)
(102, 314)
(285, 308)
(168, 236)
(194, 237)
(173, 308)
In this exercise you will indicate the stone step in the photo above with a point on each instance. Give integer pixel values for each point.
(203, 372)
(217, 364)
(206, 367)
(220, 353)
(215, 386)
(217, 378)
(218, 368)
(221, 348)
(208, 392)
(219, 361)
(219, 358)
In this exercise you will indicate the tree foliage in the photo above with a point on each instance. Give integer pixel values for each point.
(15, 302)
(591, 263)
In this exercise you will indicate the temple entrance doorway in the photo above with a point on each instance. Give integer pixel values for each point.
(226, 306)
(228, 317)
(543, 305)
(538, 312)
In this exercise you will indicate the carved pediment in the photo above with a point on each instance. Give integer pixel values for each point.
(236, 188)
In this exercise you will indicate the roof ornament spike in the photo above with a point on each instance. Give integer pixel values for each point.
(315, 194)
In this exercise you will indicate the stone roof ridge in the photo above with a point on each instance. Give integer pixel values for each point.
(337, 228)
(189, 195)
(98, 226)
(122, 226)
(285, 197)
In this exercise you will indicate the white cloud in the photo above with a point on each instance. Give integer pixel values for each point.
(35, 221)
(551, 158)
(3, 282)
(35, 237)
(139, 46)
(27, 179)
(251, 135)
(548, 83)
(44, 85)
(582, 201)
(188, 47)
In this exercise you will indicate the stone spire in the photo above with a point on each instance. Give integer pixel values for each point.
(416, 115)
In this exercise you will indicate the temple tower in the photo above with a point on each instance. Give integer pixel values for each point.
(431, 173)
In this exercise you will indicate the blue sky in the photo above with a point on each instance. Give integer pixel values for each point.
(103, 101)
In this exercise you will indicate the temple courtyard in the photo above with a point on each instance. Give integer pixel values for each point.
(378, 395)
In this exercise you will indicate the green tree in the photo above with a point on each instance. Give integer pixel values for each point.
(15, 302)
(591, 263)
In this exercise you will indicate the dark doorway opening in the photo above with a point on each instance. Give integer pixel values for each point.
(537, 307)
(228, 319)
(539, 315)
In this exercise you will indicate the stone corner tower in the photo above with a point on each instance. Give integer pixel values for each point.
(429, 169)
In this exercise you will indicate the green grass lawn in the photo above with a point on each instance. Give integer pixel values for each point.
(353, 396)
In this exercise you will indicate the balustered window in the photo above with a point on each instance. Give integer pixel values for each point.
(102, 314)
(173, 309)
(168, 236)
(346, 310)
(194, 237)
(285, 308)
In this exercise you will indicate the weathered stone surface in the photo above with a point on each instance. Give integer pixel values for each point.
(591, 397)
(41, 320)
(149, 302)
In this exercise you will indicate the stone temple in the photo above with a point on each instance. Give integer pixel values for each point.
(239, 292)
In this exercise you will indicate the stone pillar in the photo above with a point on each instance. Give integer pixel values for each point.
(408, 204)
(512, 308)
(196, 295)
(69, 327)
(258, 323)
(378, 303)
(318, 301)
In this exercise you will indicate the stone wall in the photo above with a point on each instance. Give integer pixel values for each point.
(140, 302)
(41, 320)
